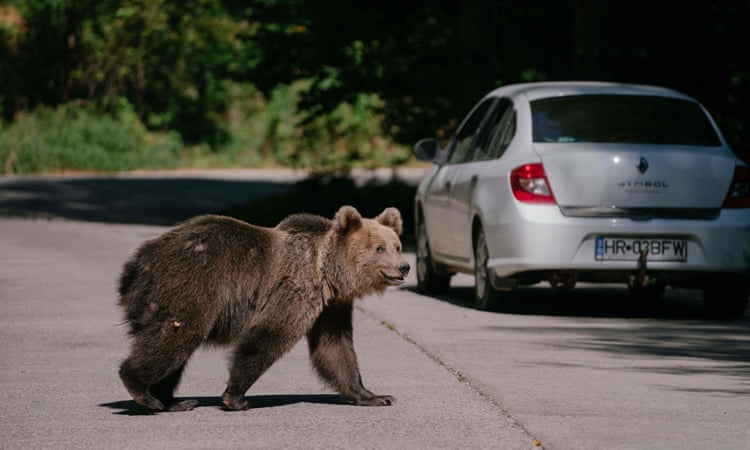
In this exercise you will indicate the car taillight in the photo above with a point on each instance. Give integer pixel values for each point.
(739, 190)
(529, 184)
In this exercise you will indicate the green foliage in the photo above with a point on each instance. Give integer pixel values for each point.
(168, 58)
(73, 137)
(347, 137)
(279, 123)
(183, 66)
(275, 131)
(432, 60)
(334, 84)
(171, 59)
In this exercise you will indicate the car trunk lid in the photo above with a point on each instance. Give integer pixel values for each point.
(637, 180)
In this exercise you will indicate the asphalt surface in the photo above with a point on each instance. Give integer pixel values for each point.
(583, 369)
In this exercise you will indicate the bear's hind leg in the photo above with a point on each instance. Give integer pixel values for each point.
(153, 370)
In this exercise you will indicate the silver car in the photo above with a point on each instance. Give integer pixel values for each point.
(586, 181)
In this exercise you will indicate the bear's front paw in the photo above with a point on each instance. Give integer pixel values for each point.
(376, 400)
(235, 402)
(185, 405)
(149, 402)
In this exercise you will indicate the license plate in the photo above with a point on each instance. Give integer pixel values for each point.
(629, 249)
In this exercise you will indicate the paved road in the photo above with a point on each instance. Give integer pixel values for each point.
(571, 371)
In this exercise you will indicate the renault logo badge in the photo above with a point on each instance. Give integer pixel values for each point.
(642, 165)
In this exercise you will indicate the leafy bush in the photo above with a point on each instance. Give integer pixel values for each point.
(274, 131)
(261, 132)
(74, 137)
(349, 136)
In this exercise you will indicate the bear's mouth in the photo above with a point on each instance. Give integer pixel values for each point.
(394, 280)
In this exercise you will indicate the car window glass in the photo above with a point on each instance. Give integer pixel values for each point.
(504, 134)
(642, 119)
(483, 149)
(467, 132)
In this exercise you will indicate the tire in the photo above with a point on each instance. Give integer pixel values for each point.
(485, 296)
(725, 298)
(429, 280)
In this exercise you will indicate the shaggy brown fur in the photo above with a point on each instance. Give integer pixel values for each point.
(217, 280)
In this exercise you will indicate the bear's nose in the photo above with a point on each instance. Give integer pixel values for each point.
(404, 268)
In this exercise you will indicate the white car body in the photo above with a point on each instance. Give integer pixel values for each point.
(625, 196)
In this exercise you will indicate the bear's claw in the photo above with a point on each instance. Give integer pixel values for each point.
(149, 402)
(185, 405)
(235, 403)
(376, 400)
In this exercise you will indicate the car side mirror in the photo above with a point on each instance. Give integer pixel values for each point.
(427, 150)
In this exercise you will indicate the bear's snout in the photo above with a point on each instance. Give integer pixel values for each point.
(396, 274)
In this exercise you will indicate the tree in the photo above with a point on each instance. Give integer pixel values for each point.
(421, 64)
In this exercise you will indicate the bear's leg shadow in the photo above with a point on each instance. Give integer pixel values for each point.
(332, 353)
(153, 370)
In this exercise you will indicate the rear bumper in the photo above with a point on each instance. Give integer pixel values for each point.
(541, 239)
(681, 279)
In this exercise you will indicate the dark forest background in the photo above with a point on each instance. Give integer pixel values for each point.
(117, 85)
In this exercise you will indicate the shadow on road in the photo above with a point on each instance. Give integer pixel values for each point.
(598, 301)
(166, 201)
(152, 201)
(671, 327)
(131, 408)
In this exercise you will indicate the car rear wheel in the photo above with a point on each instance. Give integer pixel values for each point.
(429, 281)
(485, 296)
(725, 298)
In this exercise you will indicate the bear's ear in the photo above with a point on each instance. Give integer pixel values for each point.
(347, 219)
(391, 217)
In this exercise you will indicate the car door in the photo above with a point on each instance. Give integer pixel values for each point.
(438, 200)
(488, 146)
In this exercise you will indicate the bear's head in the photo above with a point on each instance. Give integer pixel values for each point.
(372, 249)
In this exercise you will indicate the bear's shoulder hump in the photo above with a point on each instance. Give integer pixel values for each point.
(305, 223)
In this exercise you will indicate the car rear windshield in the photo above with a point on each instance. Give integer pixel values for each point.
(622, 119)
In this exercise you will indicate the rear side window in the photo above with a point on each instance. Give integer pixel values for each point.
(493, 141)
(623, 119)
(468, 131)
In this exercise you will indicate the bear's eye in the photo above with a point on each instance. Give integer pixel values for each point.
(380, 250)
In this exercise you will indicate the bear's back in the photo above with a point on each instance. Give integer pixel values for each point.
(305, 223)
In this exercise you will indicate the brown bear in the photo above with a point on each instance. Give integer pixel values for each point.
(218, 280)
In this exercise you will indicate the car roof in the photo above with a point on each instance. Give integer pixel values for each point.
(545, 89)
